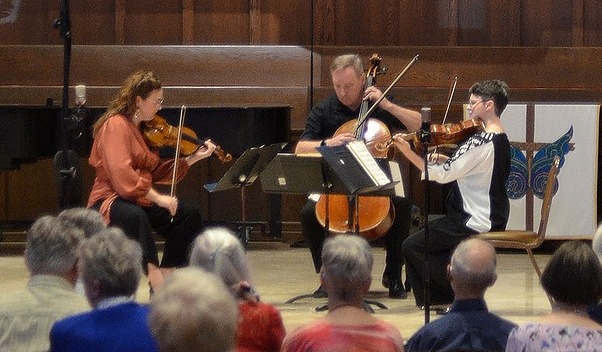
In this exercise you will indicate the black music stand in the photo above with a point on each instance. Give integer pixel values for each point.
(242, 174)
(290, 173)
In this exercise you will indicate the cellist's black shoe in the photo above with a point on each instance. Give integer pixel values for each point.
(396, 289)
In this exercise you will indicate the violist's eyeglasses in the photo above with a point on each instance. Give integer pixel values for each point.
(472, 104)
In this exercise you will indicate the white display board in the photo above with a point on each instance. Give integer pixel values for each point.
(574, 208)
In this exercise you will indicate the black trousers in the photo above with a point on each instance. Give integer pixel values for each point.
(138, 223)
(314, 235)
(444, 236)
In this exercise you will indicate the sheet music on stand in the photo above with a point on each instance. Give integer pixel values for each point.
(356, 169)
(365, 159)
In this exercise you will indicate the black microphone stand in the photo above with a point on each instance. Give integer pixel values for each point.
(425, 139)
(66, 169)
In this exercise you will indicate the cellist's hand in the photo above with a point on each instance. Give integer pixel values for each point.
(340, 139)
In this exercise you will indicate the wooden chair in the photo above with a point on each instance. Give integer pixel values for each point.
(528, 240)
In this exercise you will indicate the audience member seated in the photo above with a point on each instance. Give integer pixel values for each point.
(111, 268)
(346, 275)
(90, 222)
(260, 326)
(193, 311)
(26, 316)
(573, 278)
(468, 326)
(595, 310)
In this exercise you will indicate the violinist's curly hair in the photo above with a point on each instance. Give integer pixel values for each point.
(495, 90)
(141, 83)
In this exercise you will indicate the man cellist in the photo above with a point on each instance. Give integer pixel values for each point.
(349, 82)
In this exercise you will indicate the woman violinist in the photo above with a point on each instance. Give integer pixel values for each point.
(125, 172)
(477, 202)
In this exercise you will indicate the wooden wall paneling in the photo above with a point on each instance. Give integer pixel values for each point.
(505, 22)
(410, 22)
(578, 23)
(453, 14)
(93, 22)
(187, 21)
(433, 23)
(364, 23)
(52, 34)
(472, 23)
(4, 194)
(221, 22)
(547, 23)
(254, 21)
(325, 22)
(592, 21)
(391, 22)
(545, 69)
(120, 18)
(35, 194)
(336, 22)
(159, 24)
(109, 65)
(286, 22)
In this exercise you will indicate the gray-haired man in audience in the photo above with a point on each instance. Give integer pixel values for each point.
(26, 316)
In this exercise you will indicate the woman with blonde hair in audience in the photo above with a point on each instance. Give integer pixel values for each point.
(193, 312)
(573, 278)
(260, 326)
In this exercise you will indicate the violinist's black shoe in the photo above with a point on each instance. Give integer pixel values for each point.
(396, 289)
(320, 292)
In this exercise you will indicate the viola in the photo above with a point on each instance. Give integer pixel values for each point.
(448, 135)
(158, 133)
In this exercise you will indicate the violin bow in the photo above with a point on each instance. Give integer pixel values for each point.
(174, 175)
(449, 99)
(382, 96)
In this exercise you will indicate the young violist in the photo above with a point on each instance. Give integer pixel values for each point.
(477, 202)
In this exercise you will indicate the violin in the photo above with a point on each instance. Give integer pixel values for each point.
(446, 135)
(158, 133)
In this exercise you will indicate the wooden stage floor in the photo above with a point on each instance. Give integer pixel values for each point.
(281, 272)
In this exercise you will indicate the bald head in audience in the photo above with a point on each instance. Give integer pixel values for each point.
(472, 269)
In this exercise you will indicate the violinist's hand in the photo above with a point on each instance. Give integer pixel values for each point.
(204, 151)
(167, 202)
(406, 149)
(401, 144)
(340, 139)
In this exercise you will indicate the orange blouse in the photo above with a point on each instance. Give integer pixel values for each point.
(125, 166)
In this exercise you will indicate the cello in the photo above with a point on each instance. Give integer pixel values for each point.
(369, 216)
